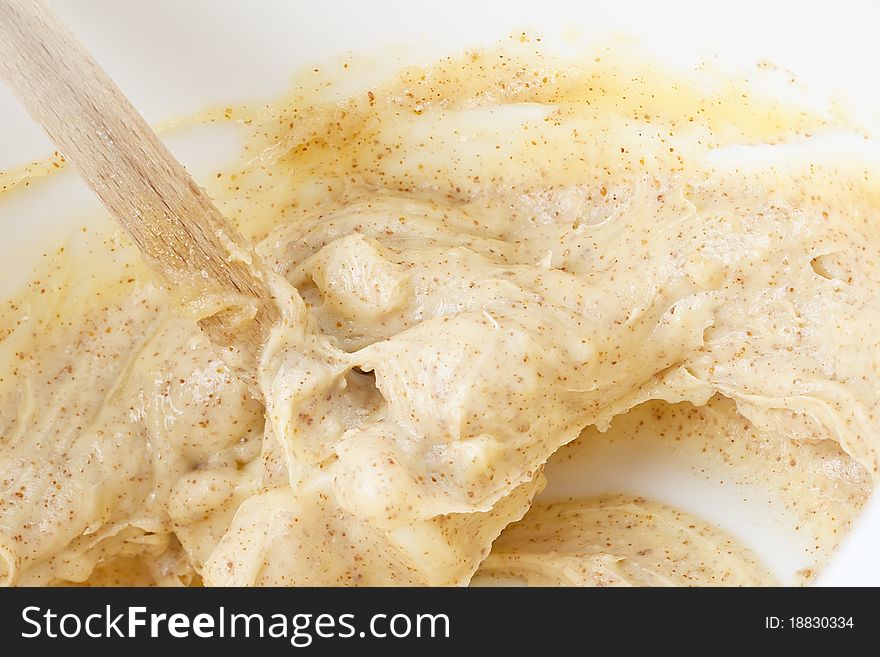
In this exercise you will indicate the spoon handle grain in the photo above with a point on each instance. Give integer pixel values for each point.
(173, 222)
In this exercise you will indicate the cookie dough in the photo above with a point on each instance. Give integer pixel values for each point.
(477, 263)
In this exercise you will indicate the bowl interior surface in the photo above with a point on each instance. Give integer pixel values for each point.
(175, 59)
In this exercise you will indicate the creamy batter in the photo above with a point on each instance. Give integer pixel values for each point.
(478, 264)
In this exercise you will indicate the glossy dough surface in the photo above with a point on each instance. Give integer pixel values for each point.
(477, 263)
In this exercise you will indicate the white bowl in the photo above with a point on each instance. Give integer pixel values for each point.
(173, 58)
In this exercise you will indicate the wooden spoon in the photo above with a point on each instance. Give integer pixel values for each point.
(181, 234)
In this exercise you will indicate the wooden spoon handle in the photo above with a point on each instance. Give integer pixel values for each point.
(170, 218)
